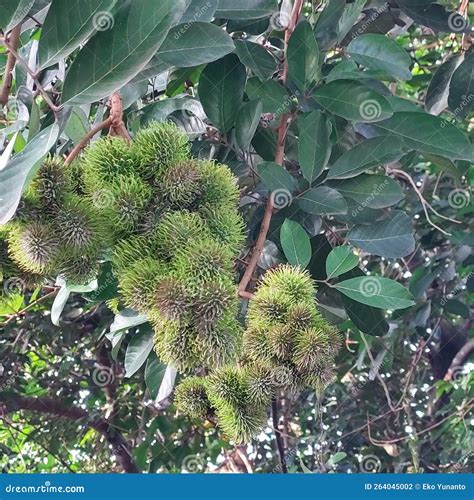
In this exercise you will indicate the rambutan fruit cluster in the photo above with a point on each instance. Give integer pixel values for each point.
(287, 346)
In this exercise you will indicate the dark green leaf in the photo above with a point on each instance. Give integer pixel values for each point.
(368, 154)
(295, 243)
(196, 43)
(379, 52)
(341, 260)
(275, 177)
(247, 123)
(376, 291)
(461, 88)
(348, 70)
(391, 237)
(13, 12)
(127, 319)
(322, 201)
(200, 10)
(221, 90)
(154, 373)
(326, 29)
(367, 319)
(373, 191)
(436, 99)
(275, 98)
(256, 58)
(159, 111)
(427, 134)
(314, 144)
(137, 352)
(14, 177)
(303, 57)
(353, 101)
(246, 9)
(62, 34)
(114, 56)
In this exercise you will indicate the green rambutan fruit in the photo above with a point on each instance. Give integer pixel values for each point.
(138, 283)
(190, 398)
(130, 250)
(281, 340)
(311, 349)
(159, 147)
(227, 225)
(174, 344)
(219, 186)
(255, 345)
(302, 315)
(34, 246)
(261, 384)
(319, 378)
(79, 226)
(179, 186)
(294, 282)
(51, 182)
(129, 197)
(269, 307)
(177, 229)
(202, 260)
(172, 299)
(78, 268)
(213, 299)
(104, 160)
(228, 385)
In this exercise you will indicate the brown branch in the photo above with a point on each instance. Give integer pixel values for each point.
(11, 403)
(278, 437)
(279, 158)
(13, 40)
(117, 127)
(84, 141)
(459, 360)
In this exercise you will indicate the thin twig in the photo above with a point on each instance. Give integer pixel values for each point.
(278, 437)
(14, 40)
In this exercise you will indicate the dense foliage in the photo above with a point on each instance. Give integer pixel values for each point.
(236, 236)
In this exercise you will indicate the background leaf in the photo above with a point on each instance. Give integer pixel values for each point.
(322, 200)
(256, 58)
(247, 123)
(138, 350)
(295, 243)
(341, 260)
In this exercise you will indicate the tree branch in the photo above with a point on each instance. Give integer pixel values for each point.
(13, 40)
(10, 403)
(278, 437)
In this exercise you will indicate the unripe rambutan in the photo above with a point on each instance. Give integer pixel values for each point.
(269, 307)
(51, 183)
(34, 246)
(172, 299)
(261, 383)
(159, 147)
(281, 340)
(213, 299)
(255, 345)
(191, 398)
(218, 186)
(138, 283)
(130, 250)
(295, 283)
(79, 268)
(179, 186)
(312, 349)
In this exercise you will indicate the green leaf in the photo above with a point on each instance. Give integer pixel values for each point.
(200, 10)
(348, 70)
(275, 98)
(276, 178)
(376, 291)
(303, 57)
(127, 319)
(314, 145)
(62, 34)
(77, 126)
(295, 243)
(14, 177)
(154, 373)
(247, 123)
(322, 201)
(256, 58)
(353, 101)
(436, 99)
(427, 134)
(159, 111)
(373, 191)
(63, 296)
(246, 9)
(368, 154)
(196, 43)
(367, 319)
(391, 237)
(326, 29)
(13, 12)
(461, 88)
(114, 56)
(221, 91)
(341, 260)
(137, 352)
(337, 457)
(379, 52)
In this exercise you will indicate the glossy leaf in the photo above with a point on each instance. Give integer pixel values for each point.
(295, 243)
(314, 144)
(247, 123)
(461, 88)
(322, 201)
(200, 10)
(246, 9)
(137, 352)
(62, 34)
(114, 56)
(274, 97)
(353, 101)
(13, 12)
(275, 177)
(256, 58)
(391, 237)
(376, 291)
(436, 99)
(221, 90)
(154, 372)
(341, 260)
(435, 16)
